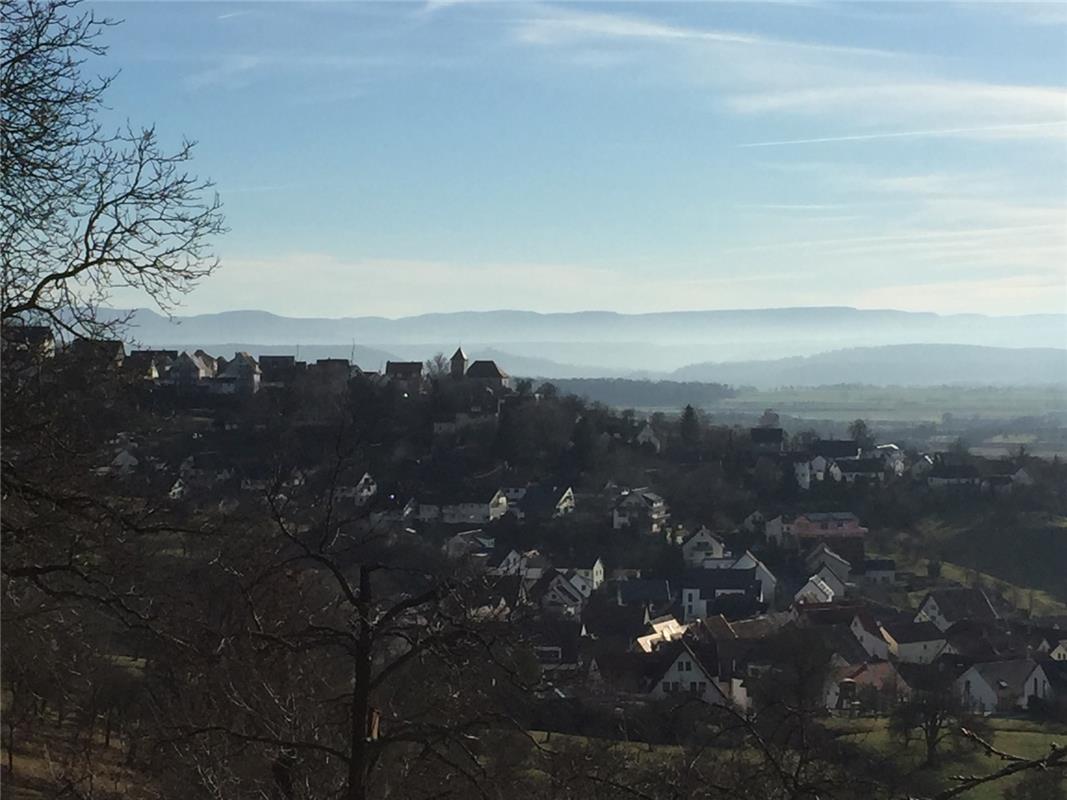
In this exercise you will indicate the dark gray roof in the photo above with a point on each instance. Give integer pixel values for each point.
(835, 448)
(642, 591)
(1007, 674)
(403, 369)
(709, 581)
(963, 603)
(909, 632)
(485, 369)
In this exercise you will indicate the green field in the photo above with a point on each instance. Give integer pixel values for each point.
(903, 403)
(1018, 737)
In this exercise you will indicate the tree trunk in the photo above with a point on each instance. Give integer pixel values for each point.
(358, 771)
(11, 752)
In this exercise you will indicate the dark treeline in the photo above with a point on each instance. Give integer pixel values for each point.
(629, 393)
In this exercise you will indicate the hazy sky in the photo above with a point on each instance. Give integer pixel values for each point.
(397, 158)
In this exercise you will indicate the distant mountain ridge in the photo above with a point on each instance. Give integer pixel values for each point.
(684, 345)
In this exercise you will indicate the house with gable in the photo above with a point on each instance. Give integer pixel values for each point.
(915, 642)
(767, 579)
(642, 510)
(593, 574)
(556, 594)
(945, 475)
(1002, 686)
(734, 592)
(542, 502)
(647, 436)
(816, 590)
(824, 556)
(767, 440)
(826, 453)
(946, 607)
(488, 373)
(687, 667)
(869, 634)
(826, 574)
(702, 545)
(241, 375)
(862, 470)
(360, 490)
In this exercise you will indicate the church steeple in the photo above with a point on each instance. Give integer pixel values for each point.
(459, 364)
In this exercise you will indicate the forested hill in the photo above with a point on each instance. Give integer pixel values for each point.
(896, 365)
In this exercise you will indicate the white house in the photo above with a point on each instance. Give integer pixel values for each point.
(869, 634)
(892, 457)
(663, 629)
(914, 642)
(557, 593)
(686, 672)
(360, 492)
(580, 582)
(702, 545)
(823, 556)
(1002, 685)
(768, 582)
(594, 573)
(814, 591)
(510, 564)
(479, 509)
(640, 508)
(1059, 652)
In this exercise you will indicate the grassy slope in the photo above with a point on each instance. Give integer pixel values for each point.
(1028, 554)
(1020, 737)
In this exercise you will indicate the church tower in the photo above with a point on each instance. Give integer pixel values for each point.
(459, 364)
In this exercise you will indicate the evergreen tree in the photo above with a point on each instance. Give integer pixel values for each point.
(690, 427)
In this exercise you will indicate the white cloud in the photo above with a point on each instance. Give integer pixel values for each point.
(1057, 129)
(859, 88)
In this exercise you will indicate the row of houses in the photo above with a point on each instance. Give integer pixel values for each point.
(623, 644)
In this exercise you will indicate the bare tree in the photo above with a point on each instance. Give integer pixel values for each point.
(438, 366)
(84, 210)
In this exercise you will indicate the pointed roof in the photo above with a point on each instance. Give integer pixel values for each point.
(459, 354)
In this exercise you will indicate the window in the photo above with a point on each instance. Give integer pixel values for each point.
(692, 687)
(701, 687)
(667, 686)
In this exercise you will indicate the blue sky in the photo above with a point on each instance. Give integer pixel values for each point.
(397, 158)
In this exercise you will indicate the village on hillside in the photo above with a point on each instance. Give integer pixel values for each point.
(648, 557)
